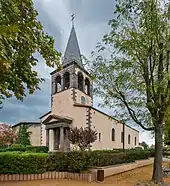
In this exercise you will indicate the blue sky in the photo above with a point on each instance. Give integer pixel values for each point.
(91, 23)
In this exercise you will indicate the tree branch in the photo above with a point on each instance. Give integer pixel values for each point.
(133, 115)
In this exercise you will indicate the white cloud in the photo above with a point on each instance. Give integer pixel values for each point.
(147, 137)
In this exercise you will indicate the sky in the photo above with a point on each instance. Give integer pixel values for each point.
(91, 23)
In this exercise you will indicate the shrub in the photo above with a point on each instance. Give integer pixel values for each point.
(137, 154)
(75, 161)
(37, 149)
(17, 146)
(14, 147)
(26, 163)
(78, 161)
(57, 161)
(21, 148)
(105, 159)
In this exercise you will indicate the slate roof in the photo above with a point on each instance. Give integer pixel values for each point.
(72, 52)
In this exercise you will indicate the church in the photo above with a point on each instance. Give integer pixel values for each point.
(72, 106)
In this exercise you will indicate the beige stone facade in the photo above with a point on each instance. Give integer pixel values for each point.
(34, 129)
(72, 106)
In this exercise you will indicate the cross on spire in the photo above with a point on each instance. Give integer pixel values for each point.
(72, 18)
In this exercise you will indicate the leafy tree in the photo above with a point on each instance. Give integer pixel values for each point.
(143, 144)
(7, 135)
(24, 135)
(167, 127)
(135, 79)
(82, 137)
(21, 35)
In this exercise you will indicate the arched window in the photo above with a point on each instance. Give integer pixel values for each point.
(87, 86)
(129, 139)
(80, 81)
(99, 137)
(58, 84)
(113, 134)
(83, 100)
(66, 80)
(135, 141)
(122, 137)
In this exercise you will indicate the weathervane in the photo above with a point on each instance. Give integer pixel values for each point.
(72, 18)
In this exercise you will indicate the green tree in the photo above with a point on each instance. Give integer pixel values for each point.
(21, 35)
(24, 135)
(135, 79)
(167, 127)
(143, 144)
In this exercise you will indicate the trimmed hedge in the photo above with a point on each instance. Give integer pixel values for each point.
(80, 161)
(21, 148)
(37, 149)
(75, 161)
(26, 163)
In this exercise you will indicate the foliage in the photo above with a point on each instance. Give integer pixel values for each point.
(143, 144)
(21, 35)
(15, 145)
(22, 148)
(78, 161)
(135, 79)
(24, 135)
(167, 127)
(26, 163)
(82, 137)
(7, 135)
(75, 161)
(37, 149)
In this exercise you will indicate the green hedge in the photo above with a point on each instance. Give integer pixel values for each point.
(21, 148)
(26, 163)
(76, 161)
(37, 149)
(80, 161)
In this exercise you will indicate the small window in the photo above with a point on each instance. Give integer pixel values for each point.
(99, 137)
(135, 141)
(129, 139)
(80, 81)
(83, 100)
(113, 134)
(87, 86)
(58, 84)
(122, 137)
(66, 80)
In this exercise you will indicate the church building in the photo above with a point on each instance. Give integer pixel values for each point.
(72, 106)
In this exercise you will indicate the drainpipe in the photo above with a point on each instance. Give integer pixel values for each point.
(123, 137)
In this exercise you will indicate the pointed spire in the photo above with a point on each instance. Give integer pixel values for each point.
(72, 52)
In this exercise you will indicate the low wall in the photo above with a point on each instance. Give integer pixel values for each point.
(117, 169)
(90, 177)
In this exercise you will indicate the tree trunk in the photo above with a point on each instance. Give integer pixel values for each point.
(157, 176)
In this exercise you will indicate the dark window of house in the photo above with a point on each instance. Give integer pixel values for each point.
(87, 86)
(122, 136)
(80, 81)
(99, 137)
(135, 141)
(66, 80)
(58, 84)
(83, 100)
(113, 134)
(129, 139)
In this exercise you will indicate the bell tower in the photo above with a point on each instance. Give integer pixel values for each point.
(73, 82)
